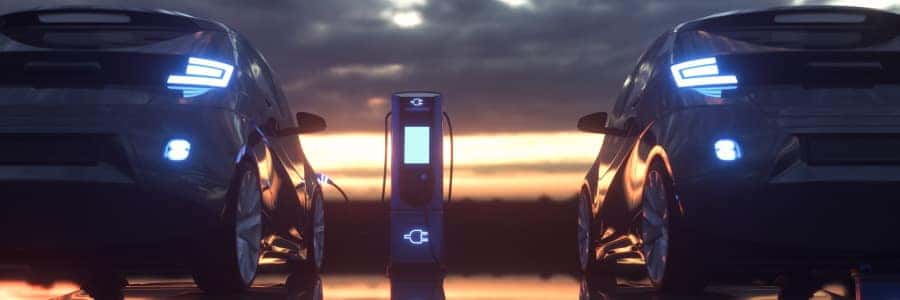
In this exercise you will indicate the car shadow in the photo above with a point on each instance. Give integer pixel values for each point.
(612, 289)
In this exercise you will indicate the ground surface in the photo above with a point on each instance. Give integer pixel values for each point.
(359, 287)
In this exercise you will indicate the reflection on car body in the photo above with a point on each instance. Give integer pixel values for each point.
(764, 139)
(149, 139)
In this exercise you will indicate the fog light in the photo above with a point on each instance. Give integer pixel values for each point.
(177, 150)
(727, 150)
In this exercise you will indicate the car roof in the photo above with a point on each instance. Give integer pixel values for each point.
(174, 18)
(763, 17)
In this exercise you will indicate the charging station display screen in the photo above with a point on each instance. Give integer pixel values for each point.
(416, 142)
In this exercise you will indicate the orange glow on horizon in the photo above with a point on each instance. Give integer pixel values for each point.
(20, 290)
(488, 165)
(460, 287)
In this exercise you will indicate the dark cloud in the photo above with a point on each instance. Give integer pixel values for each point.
(535, 67)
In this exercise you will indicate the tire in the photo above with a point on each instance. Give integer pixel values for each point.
(670, 263)
(229, 259)
(595, 274)
(315, 228)
(587, 260)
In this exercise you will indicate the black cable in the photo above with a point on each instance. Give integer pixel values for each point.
(450, 129)
(340, 190)
(434, 257)
(387, 119)
(324, 178)
(425, 209)
(349, 211)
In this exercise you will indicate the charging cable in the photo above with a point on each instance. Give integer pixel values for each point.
(387, 119)
(324, 179)
(450, 129)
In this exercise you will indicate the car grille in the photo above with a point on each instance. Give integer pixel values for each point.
(60, 149)
(846, 149)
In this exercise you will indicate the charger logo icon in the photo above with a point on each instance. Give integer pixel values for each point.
(417, 102)
(416, 236)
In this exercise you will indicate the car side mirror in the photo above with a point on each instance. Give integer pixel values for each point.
(596, 123)
(306, 123)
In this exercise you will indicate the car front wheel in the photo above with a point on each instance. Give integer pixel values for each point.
(315, 235)
(231, 257)
(586, 256)
(670, 264)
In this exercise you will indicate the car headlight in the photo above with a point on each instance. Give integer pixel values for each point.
(200, 76)
(700, 82)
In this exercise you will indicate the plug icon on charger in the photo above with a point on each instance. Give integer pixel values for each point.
(416, 236)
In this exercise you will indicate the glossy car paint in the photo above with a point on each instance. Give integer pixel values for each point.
(768, 210)
(147, 206)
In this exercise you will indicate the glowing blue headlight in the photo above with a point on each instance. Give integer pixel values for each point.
(700, 72)
(714, 91)
(200, 75)
(727, 150)
(177, 150)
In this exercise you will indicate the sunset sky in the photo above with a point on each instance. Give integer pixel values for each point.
(509, 165)
(516, 74)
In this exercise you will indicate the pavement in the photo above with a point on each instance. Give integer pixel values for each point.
(374, 287)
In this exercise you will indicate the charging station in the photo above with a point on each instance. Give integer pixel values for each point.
(417, 198)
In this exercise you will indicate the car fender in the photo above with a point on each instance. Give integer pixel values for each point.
(284, 205)
(646, 150)
(257, 152)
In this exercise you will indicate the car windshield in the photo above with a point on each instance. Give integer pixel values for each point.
(705, 43)
(792, 66)
(100, 64)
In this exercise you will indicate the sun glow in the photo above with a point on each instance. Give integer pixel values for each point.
(407, 19)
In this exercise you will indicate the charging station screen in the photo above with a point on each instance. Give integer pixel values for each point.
(415, 144)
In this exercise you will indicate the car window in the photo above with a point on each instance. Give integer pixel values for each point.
(272, 87)
(260, 74)
(254, 71)
(619, 107)
(645, 69)
(737, 40)
(208, 44)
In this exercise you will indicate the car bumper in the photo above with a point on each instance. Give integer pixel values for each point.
(778, 223)
(129, 198)
(772, 204)
(848, 217)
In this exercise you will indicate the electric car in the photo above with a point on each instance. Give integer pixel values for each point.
(149, 139)
(761, 141)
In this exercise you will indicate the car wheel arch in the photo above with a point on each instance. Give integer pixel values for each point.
(659, 155)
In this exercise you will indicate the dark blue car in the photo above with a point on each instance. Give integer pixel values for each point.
(149, 139)
(761, 141)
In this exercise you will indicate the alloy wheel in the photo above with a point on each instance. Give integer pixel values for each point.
(248, 226)
(655, 226)
(318, 230)
(584, 230)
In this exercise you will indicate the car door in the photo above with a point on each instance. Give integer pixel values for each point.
(278, 175)
(286, 148)
(613, 200)
(294, 178)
